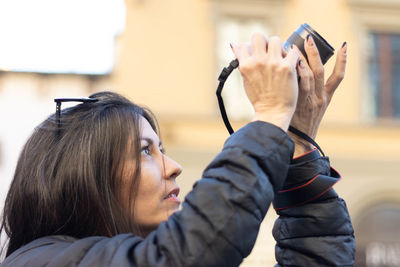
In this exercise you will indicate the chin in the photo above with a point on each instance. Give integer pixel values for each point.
(169, 212)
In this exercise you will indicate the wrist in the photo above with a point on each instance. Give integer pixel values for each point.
(301, 146)
(282, 120)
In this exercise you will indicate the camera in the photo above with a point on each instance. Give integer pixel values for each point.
(300, 34)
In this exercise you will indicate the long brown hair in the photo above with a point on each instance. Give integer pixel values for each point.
(70, 183)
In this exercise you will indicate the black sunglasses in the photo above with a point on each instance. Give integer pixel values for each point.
(73, 99)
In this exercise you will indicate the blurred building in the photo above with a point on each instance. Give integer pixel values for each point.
(169, 56)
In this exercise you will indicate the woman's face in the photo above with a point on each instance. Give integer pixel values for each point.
(157, 196)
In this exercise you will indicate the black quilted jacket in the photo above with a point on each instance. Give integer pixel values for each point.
(221, 216)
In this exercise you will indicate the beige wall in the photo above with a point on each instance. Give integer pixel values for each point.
(166, 51)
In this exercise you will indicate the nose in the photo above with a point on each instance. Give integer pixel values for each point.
(172, 168)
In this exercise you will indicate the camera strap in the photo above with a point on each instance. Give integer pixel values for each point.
(222, 79)
(305, 137)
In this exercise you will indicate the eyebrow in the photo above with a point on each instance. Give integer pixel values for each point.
(150, 141)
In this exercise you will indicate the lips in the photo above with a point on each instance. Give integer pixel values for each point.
(173, 195)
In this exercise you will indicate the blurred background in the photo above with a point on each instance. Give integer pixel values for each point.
(167, 55)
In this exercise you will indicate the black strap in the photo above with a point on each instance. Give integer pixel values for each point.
(222, 79)
(320, 187)
(306, 137)
(310, 178)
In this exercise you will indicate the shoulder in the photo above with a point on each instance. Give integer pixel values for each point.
(69, 251)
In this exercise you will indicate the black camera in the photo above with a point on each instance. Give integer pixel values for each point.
(300, 34)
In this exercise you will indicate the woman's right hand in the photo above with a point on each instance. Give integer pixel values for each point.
(270, 80)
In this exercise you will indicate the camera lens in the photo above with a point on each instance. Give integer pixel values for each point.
(301, 33)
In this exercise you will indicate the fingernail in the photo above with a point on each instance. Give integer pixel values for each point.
(301, 64)
(231, 45)
(344, 47)
(310, 40)
(291, 46)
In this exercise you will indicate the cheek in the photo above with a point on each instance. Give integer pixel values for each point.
(150, 194)
(150, 182)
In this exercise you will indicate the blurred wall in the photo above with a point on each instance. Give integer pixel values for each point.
(166, 59)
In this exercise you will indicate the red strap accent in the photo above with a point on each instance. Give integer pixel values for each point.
(298, 187)
(309, 200)
(307, 192)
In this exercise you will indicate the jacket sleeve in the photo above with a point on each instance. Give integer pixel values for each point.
(314, 226)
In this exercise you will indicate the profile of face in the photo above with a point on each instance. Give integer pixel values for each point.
(157, 195)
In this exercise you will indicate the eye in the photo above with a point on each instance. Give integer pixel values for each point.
(162, 150)
(146, 150)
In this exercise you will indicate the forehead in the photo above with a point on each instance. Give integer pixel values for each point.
(146, 131)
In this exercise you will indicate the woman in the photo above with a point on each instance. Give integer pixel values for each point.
(93, 186)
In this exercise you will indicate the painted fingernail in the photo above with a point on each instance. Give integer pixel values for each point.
(310, 40)
(291, 46)
(344, 46)
(231, 45)
(301, 64)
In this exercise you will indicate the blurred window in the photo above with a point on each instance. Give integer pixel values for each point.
(384, 74)
(63, 36)
(235, 22)
(235, 30)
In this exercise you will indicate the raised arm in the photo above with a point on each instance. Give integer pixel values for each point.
(314, 226)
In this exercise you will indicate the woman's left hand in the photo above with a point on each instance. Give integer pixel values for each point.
(314, 94)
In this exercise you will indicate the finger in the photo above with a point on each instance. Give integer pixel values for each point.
(305, 73)
(258, 44)
(302, 57)
(306, 79)
(292, 58)
(275, 48)
(314, 61)
(284, 52)
(241, 51)
(305, 84)
(338, 71)
(234, 49)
